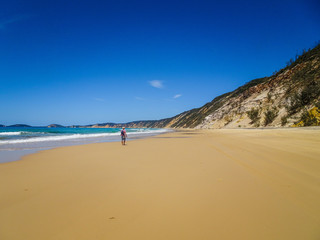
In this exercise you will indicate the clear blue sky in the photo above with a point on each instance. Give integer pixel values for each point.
(82, 62)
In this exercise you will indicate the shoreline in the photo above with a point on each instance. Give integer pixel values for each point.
(17, 153)
(189, 184)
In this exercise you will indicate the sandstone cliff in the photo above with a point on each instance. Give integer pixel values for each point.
(290, 97)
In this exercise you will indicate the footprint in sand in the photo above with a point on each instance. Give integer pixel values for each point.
(112, 218)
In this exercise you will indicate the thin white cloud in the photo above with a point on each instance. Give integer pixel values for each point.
(177, 96)
(99, 99)
(17, 18)
(156, 83)
(140, 98)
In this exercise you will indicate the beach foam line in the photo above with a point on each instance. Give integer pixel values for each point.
(9, 133)
(76, 136)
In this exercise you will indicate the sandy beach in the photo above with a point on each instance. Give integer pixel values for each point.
(192, 184)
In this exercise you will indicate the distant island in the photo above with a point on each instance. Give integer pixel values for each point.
(18, 125)
(55, 126)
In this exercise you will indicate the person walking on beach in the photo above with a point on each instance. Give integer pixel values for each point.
(123, 136)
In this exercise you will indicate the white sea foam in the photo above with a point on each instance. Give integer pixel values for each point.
(9, 133)
(57, 138)
(76, 136)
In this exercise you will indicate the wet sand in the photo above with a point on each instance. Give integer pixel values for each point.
(197, 184)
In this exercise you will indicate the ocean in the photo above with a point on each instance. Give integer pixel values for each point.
(17, 142)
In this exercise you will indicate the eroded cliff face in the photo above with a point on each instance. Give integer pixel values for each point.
(290, 97)
(287, 98)
(270, 96)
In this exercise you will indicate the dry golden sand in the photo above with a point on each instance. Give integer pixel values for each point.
(221, 184)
